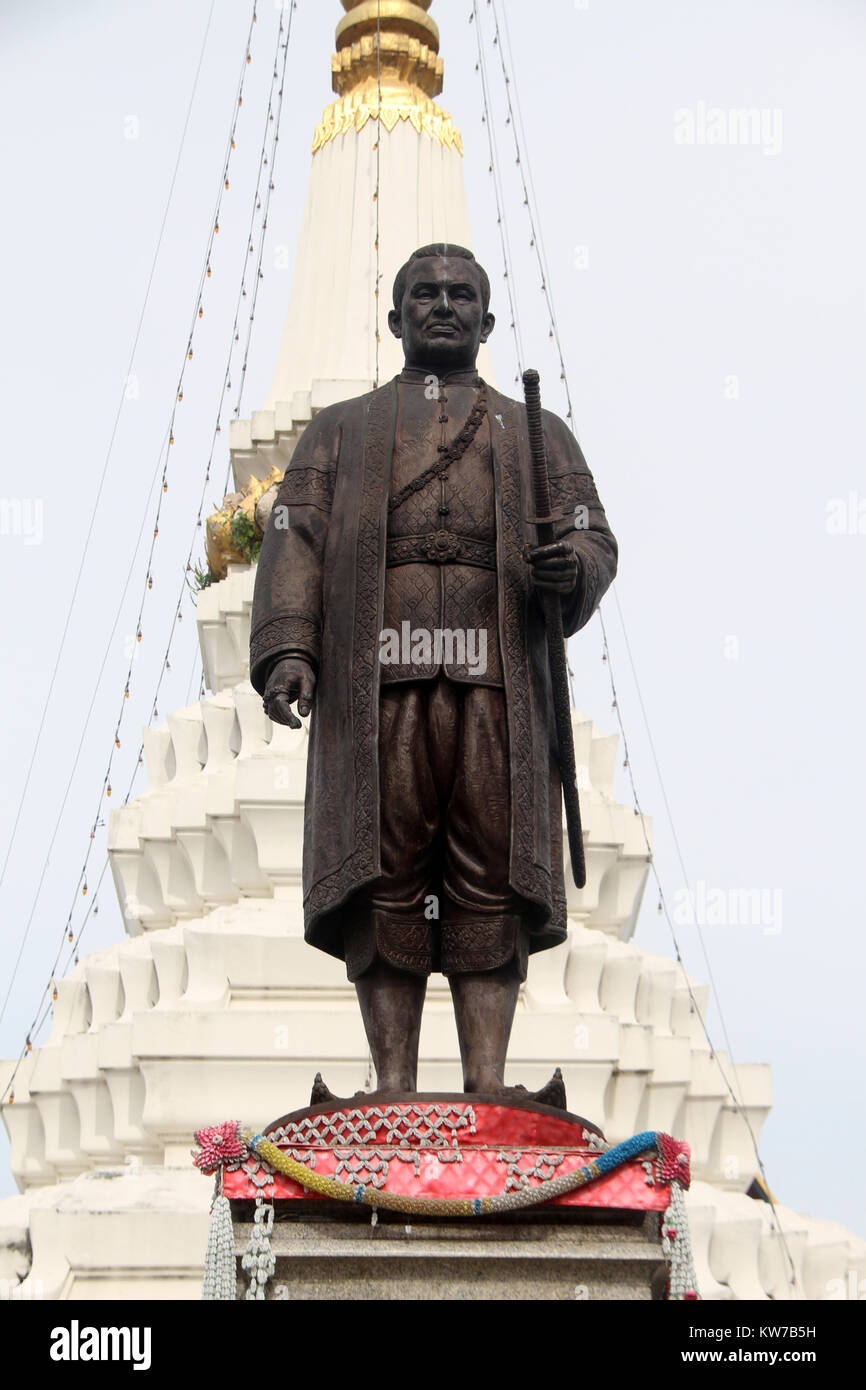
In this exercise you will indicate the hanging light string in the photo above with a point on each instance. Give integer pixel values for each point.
(72, 956)
(81, 885)
(94, 508)
(168, 440)
(378, 151)
(79, 749)
(49, 993)
(531, 207)
(234, 335)
(667, 805)
(196, 669)
(270, 120)
(493, 170)
(50, 990)
(186, 588)
(537, 244)
(663, 909)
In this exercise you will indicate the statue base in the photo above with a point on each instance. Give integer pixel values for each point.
(445, 1196)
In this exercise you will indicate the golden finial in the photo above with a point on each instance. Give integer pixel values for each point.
(408, 46)
(366, 17)
(389, 47)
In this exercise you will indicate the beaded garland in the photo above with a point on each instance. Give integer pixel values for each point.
(220, 1273)
(370, 1196)
(258, 1259)
(682, 1280)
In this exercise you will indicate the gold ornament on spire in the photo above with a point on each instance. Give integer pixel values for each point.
(389, 47)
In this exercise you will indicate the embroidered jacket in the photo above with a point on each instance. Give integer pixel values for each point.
(320, 593)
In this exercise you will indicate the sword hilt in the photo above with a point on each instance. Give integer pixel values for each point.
(538, 451)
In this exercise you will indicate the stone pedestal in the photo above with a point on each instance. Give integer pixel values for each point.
(567, 1254)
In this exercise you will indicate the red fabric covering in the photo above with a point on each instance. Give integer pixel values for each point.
(472, 1149)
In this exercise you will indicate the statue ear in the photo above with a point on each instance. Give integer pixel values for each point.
(395, 323)
(488, 323)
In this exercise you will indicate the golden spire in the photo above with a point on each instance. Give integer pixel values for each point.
(389, 47)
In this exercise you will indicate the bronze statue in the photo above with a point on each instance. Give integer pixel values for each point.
(398, 597)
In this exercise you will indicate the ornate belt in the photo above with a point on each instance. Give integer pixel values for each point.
(441, 548)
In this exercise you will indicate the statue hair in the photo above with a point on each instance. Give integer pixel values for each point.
(426, 253)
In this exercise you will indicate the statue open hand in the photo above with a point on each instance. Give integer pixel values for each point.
(291, 679)
(555, 567)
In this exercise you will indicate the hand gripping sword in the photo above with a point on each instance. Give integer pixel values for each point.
(553, 626)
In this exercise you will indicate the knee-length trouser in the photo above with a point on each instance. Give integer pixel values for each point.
(443, 901)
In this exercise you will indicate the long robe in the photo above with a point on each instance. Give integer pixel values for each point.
(320, 594)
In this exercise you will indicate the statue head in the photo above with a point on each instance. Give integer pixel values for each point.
(441, 308)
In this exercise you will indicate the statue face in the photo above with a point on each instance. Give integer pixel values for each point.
(442, 320)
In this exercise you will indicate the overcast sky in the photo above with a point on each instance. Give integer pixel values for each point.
(709, 287)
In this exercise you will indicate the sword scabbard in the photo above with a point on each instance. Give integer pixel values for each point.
(555, 637)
